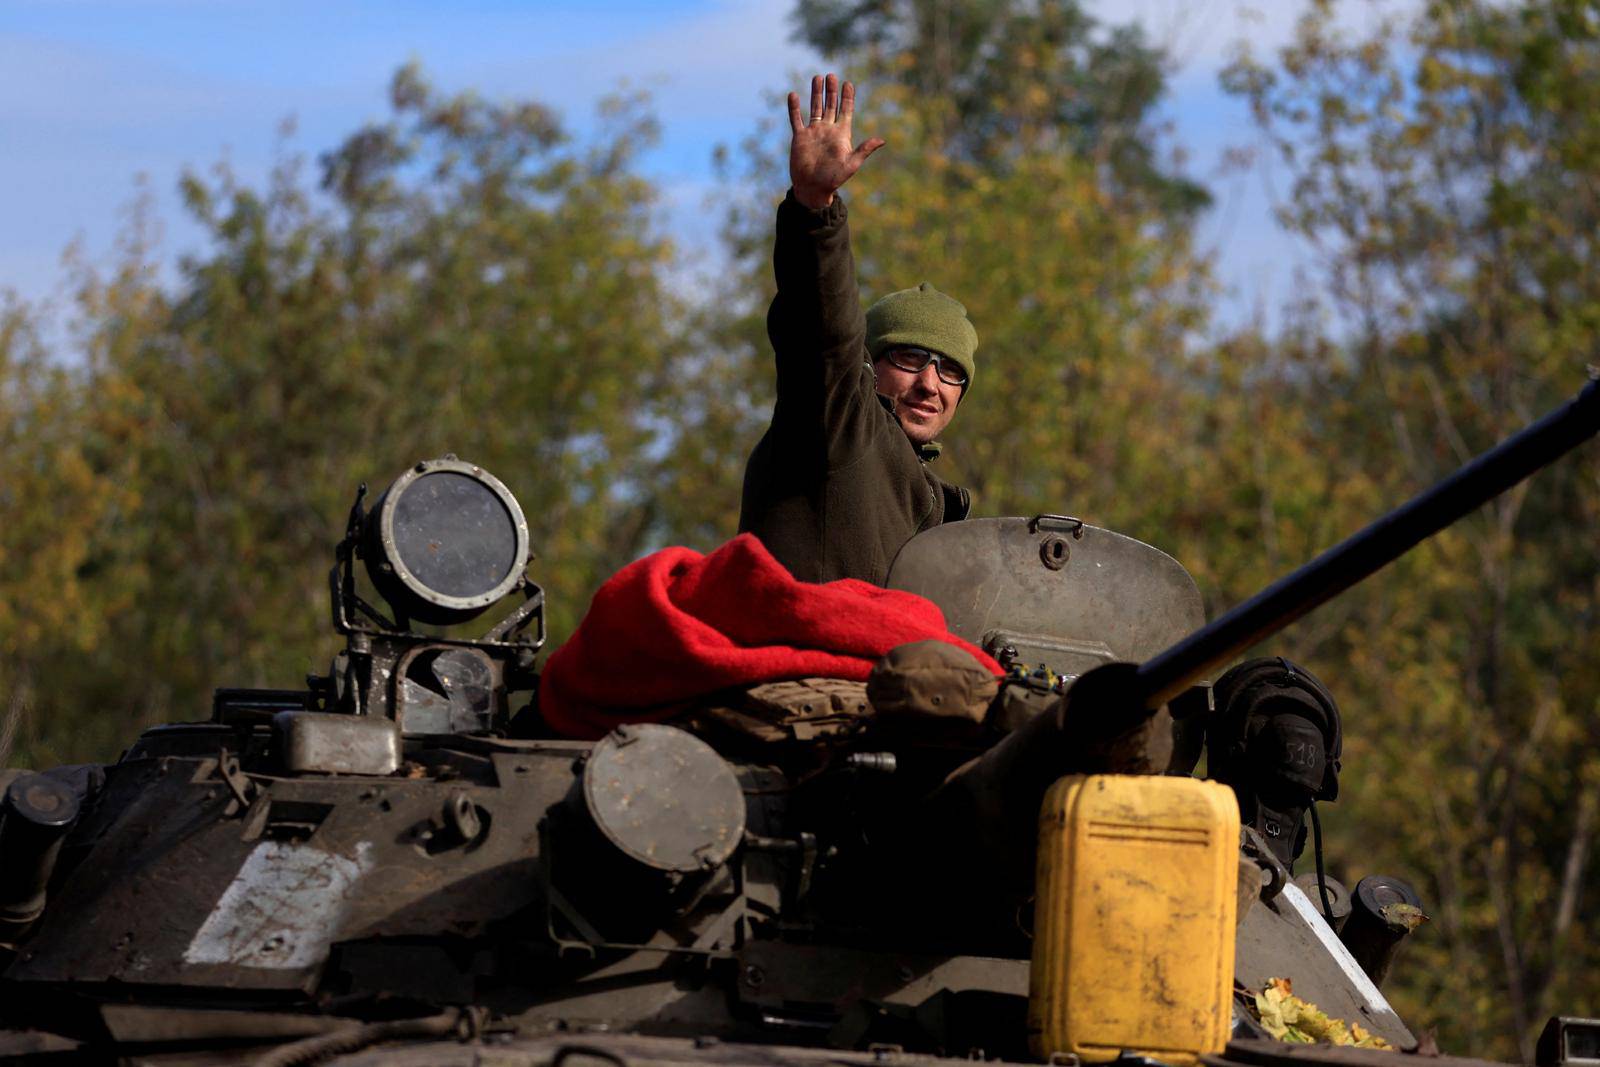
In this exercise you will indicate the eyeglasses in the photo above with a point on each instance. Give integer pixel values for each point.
(912, 360)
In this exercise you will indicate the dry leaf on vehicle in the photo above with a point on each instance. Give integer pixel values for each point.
(1288, 1018)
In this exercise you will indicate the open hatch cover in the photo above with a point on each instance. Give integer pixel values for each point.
(1061, 592)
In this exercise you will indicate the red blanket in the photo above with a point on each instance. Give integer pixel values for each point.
(677, 625)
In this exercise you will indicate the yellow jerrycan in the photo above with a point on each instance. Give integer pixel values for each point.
(1134, 918)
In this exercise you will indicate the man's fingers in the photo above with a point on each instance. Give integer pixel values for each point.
(847, 102)
(865, 149)
(795, 122)
(816, 97)
(830, 108)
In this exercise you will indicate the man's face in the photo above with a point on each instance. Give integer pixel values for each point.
(923, 402)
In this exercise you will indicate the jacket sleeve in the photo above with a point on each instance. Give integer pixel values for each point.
(826, 398)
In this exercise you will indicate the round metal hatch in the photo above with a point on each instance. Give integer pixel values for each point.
(664, 798)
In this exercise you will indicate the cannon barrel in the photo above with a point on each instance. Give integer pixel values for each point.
(995, 799)
(1169, 673)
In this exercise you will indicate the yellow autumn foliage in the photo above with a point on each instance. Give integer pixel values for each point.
(1288, 1018)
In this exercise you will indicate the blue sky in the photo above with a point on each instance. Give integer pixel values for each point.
(96, 93)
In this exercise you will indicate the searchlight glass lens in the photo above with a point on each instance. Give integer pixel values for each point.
(454, 535)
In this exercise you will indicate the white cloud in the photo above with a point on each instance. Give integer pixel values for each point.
(1200, 35)
(1255, 260)
(83, 107)
(49, 82)
(740, 44)
(706, 63)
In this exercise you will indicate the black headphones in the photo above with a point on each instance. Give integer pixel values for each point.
(1262, 688)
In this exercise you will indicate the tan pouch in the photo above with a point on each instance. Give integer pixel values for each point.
(804, 709)
(934, 684)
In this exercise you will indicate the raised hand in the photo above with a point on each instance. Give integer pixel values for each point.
(821, 156)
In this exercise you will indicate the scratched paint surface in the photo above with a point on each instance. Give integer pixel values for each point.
(1347, 963)
(281, 909)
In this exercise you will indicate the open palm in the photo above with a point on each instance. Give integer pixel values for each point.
(822, 156)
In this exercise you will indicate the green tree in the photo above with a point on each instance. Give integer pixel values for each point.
(467, 280)
(1013, 72)
(1446, 169)
(53, 500)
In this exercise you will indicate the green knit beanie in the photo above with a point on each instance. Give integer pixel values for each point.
(926, 318)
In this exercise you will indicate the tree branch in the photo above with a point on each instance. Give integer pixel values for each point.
(1571, 890)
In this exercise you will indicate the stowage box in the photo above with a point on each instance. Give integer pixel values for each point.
(1134, 918)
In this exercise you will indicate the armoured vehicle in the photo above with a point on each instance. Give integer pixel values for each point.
(389, 866)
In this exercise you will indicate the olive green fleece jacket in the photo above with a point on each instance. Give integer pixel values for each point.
(835, 487)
